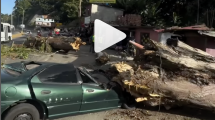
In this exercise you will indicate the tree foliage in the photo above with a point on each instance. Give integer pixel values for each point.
(153, 12)
(5, 18)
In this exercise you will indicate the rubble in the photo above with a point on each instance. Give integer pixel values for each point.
(102, 58)
(49, 44)
(172, 75)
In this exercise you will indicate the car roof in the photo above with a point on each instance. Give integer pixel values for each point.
(20, 66)
(43, 66)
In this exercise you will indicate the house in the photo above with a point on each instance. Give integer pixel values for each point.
(198, 36)
(140, 32)
(191, 35)
(44, 21)
(101, 12)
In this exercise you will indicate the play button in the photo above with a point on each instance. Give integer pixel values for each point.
(106, 35)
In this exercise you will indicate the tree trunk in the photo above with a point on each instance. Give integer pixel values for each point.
(79, 14)
(169, 75)
(57, 43)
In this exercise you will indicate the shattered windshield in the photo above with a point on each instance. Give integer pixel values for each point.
(84, 70)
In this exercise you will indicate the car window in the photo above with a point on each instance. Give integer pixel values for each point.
(61, 73)
(85, 78)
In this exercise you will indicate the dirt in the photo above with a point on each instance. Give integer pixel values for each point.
(146, 114)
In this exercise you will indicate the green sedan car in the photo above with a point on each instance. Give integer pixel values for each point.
(36, 90)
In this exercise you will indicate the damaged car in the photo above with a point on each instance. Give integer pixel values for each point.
(37, 90)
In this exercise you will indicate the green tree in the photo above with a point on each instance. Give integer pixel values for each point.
(5, 18)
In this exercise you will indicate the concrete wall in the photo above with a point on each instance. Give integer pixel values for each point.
(103, 13)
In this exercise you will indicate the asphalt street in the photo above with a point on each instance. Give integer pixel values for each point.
(20, 40)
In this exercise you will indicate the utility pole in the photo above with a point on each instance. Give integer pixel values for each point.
(23, 16)
(79, 13)
(23, 12)
(11, 19)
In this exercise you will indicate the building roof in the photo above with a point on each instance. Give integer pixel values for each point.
(207, 33)
(190, 28)
(134, 27)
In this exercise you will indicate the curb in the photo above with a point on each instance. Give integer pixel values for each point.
(14, 36)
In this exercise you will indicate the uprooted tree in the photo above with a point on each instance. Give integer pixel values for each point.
(169, 75)
(48, 44)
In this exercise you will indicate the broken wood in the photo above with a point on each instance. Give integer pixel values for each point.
(173, 74)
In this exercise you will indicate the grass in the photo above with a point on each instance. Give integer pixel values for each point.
(20, 52)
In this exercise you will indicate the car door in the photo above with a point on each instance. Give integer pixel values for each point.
(58, 88)
(95, 97)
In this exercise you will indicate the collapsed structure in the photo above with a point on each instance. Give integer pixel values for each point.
(169, 75)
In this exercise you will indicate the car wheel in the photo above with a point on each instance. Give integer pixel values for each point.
(22, 111)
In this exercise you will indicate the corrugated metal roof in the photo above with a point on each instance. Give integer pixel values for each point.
(176, 28)
(208, 33)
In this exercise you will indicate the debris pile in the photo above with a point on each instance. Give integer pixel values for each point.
(169, 75)
(49, 44)
(102, 58)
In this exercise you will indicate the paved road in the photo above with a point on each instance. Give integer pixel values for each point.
(20, 40)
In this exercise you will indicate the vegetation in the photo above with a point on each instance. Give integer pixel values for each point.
(15, 52)
(153, 12)
(5, 18)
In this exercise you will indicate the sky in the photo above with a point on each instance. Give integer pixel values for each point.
(7, 6)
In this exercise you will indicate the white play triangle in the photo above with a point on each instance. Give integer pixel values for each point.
(106, 35)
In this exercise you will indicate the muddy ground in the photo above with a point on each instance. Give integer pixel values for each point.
(84, 58)
(147, 114)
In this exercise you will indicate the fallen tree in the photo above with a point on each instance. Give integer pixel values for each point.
(49, 44)
(169, 75)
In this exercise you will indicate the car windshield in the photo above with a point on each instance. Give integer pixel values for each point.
(83, 70)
